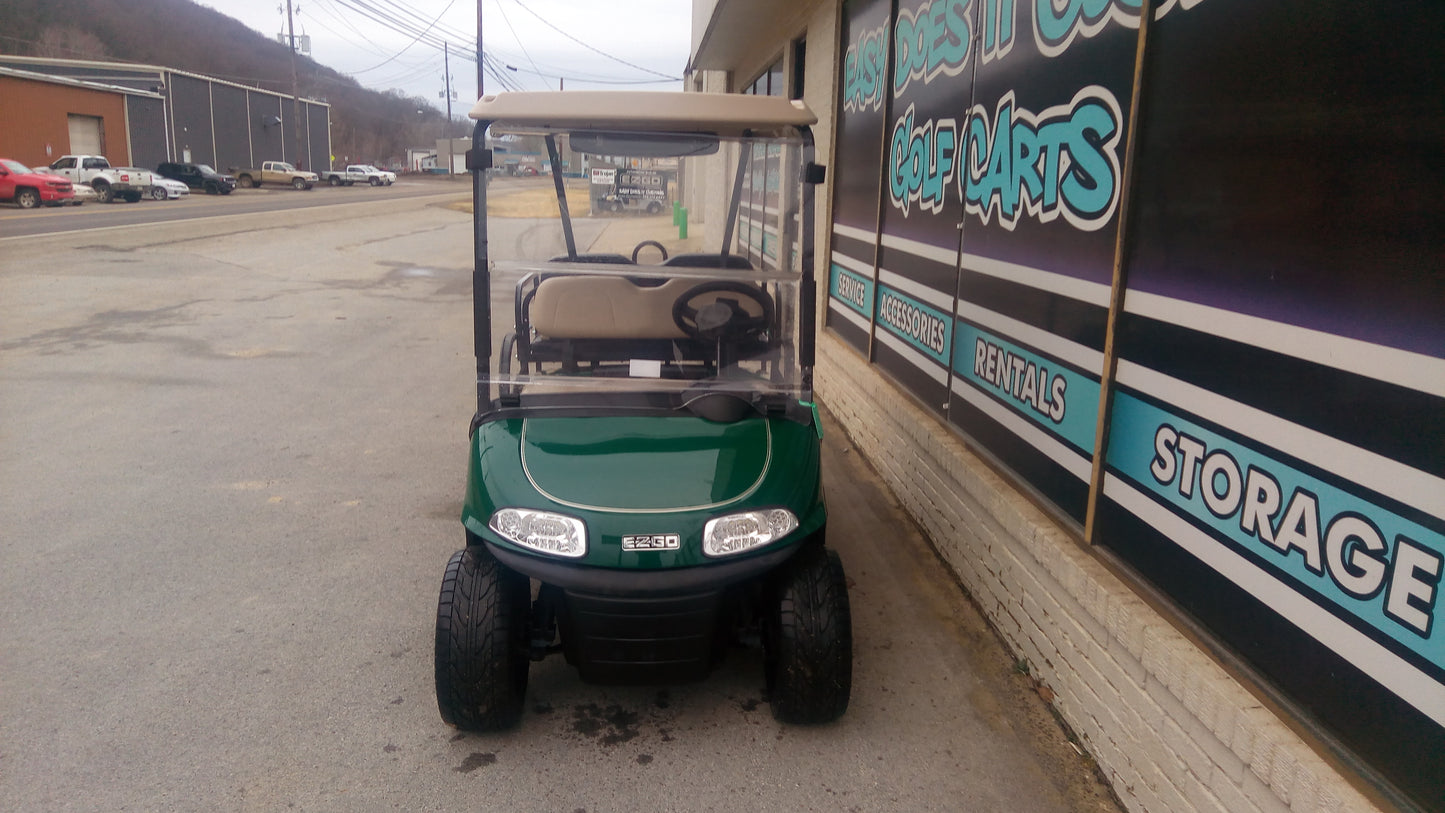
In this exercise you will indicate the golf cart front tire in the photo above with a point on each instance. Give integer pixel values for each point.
(481, 639)
(809, 646)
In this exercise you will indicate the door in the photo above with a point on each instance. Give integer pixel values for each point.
(87, 135)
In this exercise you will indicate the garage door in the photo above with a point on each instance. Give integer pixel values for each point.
(87, 137)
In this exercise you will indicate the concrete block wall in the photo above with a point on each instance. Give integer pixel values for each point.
(1168, 726)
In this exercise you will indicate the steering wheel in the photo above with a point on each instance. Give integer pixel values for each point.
(645, 244)
(723, 318)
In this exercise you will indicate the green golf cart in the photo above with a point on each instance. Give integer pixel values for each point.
(644, 488)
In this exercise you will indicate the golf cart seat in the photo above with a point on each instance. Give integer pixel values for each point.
(587, 320)
(703, 259)
(590, 307)
(598, 257)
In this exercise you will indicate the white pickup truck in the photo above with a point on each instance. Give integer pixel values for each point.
(129, 184)
(358, 173)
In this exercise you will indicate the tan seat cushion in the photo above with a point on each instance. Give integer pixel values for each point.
(588, 307)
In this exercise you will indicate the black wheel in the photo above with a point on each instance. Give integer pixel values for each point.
(103, 192)
(300, 183)
(809, 646)
(132, 197)
(246, 182)
(27, 198)
(158, 193)
(334, 180)
(376, 182)
(654, 207)
(481, 643)
(213, 189)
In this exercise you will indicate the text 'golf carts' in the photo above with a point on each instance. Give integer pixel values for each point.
(644, 483)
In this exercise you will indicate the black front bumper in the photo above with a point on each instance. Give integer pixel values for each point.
(644, 584)
(650, 626)
(644, 640)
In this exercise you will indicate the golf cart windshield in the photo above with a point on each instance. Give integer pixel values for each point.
(643, 264)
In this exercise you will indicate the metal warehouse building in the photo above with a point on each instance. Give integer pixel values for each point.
(141, 115)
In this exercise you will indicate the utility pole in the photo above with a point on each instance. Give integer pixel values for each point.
(296, 87)
(480, 64)
(447, 66)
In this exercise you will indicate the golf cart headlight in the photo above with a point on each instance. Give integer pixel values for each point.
(736, 533)
(542, 531)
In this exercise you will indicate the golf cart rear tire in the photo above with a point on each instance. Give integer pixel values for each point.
(809, 646)
(481, 639)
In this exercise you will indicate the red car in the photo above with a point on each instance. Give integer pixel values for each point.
(30, 189)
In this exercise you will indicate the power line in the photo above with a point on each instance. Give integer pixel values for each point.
(518, 39)
(548, 23)
(414, 40)
(399, 17)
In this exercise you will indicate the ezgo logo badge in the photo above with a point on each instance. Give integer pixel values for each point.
(652, 542)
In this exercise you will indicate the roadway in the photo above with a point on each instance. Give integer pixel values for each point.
(16, 222)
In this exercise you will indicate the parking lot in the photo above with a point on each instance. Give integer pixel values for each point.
(234, 453)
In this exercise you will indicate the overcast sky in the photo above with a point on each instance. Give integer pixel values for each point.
(586, 40)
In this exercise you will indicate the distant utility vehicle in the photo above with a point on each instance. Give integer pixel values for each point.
(644, 488)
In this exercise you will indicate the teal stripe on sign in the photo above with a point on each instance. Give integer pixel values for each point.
(1031, 384)
(925, 327)
(1324, 540)
(850, 289)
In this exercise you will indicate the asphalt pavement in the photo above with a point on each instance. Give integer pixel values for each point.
(232, 453)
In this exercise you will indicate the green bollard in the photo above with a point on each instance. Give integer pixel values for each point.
(676, 213)
(682, 223)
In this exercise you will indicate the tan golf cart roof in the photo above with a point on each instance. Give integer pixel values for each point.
(724, 114)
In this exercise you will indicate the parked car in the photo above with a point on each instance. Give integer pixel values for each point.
(165, 188)
(275, 172)
(199, 176)
(28, 189)
(84, 193)
(130, 184)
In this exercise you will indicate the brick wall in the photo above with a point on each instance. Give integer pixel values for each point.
(1168, 726)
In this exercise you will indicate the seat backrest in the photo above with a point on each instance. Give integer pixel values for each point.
(601, 257)
(706, 260)
(587, 307)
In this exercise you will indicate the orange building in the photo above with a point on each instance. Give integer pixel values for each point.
(48, 116)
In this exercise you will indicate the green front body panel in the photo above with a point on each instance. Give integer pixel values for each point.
(625, 476)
